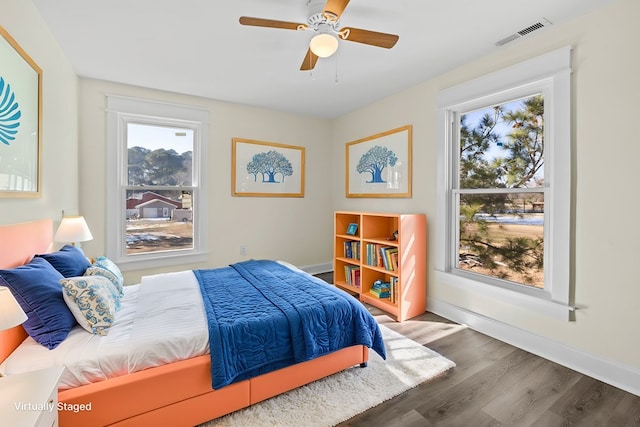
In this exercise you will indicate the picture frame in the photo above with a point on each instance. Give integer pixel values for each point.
(380, 165)
(266, 169)
(352, 229)
(20, 121)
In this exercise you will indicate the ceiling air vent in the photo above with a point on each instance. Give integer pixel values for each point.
(544, 22)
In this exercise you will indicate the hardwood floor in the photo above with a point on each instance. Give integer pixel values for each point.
(495, 384)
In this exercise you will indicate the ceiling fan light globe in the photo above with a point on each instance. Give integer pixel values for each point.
(323, 45)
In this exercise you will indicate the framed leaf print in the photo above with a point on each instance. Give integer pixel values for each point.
(265, 169)
(20, 121)
(380, 165)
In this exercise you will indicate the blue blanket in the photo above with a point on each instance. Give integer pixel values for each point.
(263, 316)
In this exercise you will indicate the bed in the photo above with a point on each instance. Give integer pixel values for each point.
(187, 396)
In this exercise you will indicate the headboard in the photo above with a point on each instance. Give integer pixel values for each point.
(18, 244)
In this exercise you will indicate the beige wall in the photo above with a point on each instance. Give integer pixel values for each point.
(292, 229)
(606, 96)
(59, 118)
(604, 142)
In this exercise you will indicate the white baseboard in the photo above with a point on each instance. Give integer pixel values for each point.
(610, 372)
(317, 268)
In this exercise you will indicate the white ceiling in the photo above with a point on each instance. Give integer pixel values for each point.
(198, 47)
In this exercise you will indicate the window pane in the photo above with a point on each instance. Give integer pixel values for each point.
(502, 236)
(159, 155)
(159, 220)
(503, 146)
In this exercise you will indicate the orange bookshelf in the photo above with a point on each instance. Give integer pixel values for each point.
(372, 250)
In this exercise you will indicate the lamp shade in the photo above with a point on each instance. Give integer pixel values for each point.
(73, 229)
(323, 45)
(11, 313)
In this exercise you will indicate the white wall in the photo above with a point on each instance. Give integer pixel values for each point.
(59, 118)
(297, 230)
(605, 116)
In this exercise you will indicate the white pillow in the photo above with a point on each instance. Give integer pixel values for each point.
(93, 301)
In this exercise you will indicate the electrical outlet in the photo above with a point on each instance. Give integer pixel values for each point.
(243, 250)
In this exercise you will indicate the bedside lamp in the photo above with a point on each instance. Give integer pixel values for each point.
(11, 313)
(73, 229)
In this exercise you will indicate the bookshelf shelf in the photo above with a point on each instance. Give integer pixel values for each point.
(380, 269)
(349, 260)
(372, 258)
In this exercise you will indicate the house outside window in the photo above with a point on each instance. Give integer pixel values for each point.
(504, 182)
(157, 211)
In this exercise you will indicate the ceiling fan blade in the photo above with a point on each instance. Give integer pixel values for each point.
(336, 7)
(270, 23)
(372, 38)
(309, 61)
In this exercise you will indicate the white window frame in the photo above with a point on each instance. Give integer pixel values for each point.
(120, 111)
(549, 75)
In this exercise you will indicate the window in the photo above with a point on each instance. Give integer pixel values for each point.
(156, 211)
(499, 191)
(504, 184)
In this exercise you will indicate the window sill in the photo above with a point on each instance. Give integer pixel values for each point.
(156, 260)
(540, 304)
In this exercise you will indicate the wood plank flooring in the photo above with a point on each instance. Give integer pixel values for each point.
(495, 384)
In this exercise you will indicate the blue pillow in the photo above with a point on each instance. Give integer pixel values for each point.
(37, 289)
(69, 261)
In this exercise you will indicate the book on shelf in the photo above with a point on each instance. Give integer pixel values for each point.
(393, 290)
(347, 250)
(382, 256)
(374, 255)
(387, 254)
(380, 295)
(380, 289)
(352, 249)
(389, 289)
(356, 278)
(394, 260)
(352, 275)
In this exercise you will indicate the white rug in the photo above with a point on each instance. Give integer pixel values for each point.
(341, 396)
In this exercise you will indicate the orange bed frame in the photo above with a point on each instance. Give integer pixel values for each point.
(177, 394)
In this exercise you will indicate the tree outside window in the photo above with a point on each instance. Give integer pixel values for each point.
(501, 191)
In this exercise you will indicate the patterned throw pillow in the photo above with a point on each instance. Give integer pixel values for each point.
(106, 263)
(93, 300)
(99, 271)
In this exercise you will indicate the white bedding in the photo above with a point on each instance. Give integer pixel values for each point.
(162, 320)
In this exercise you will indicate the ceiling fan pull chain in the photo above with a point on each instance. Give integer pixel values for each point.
(336, 80)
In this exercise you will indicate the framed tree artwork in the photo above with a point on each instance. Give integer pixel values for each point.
(266, 169)
(380, 165)
(20, 121)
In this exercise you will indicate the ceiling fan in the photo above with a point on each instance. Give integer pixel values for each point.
(323, 19)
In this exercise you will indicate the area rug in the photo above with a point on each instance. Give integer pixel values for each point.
(341, 396)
